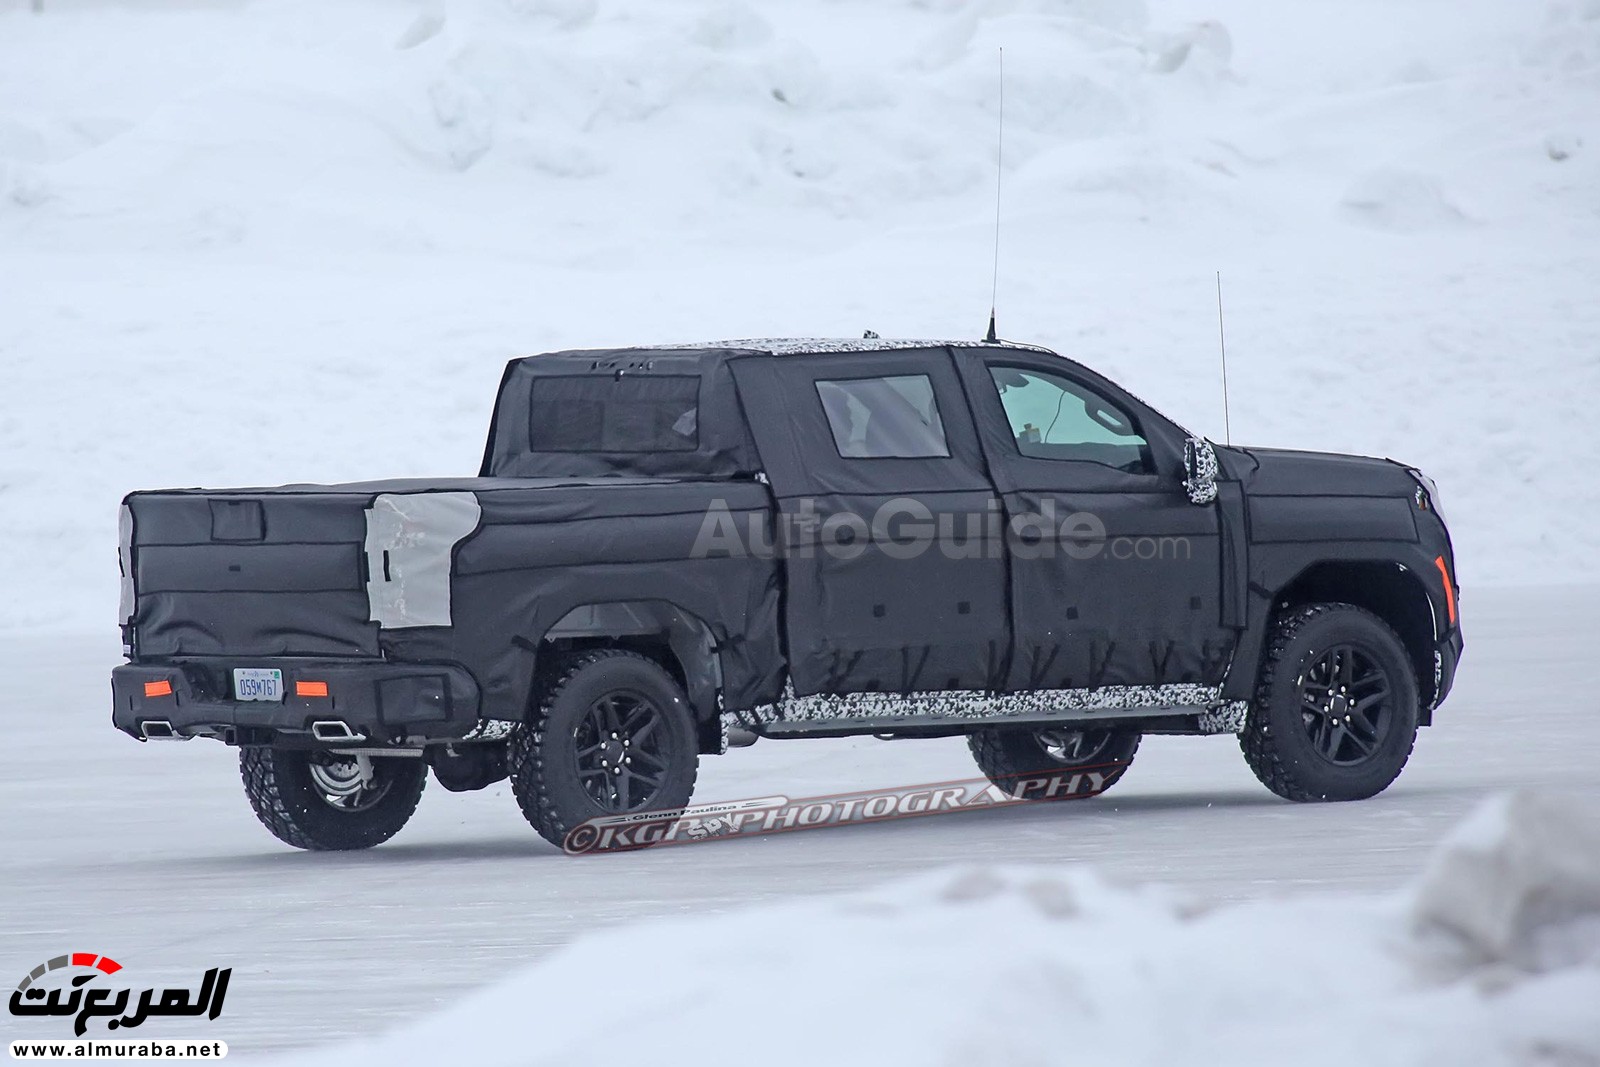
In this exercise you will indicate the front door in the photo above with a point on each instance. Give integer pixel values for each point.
(1115, 575)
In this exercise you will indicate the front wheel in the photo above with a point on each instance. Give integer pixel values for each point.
(1053, 762)
(326, 801)
(1336, 709)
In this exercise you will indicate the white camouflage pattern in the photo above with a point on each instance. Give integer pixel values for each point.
(1203, 489)
(790, 346)
(1216, 715)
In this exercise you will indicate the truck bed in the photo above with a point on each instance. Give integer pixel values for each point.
(304, 570)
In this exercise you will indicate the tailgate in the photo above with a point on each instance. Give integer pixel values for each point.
(249, 574)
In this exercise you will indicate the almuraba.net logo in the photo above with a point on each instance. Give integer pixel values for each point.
(69, 986)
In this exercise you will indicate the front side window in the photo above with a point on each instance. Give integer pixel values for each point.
(884, 418)
(602, 413)
(1053, 417)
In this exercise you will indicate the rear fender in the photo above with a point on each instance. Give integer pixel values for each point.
(679, 639)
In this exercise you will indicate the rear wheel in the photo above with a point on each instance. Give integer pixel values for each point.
(1336, 708)
(320, 800)
(1053, 762)
(612, 736)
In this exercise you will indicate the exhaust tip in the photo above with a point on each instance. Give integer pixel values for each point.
(159, 730)
(334, 730)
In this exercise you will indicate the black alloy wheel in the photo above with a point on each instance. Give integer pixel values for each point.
(1346, 704)
(619, 755)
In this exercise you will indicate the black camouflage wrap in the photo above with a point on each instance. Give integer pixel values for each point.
(588, 513)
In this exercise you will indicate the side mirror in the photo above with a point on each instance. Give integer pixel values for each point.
(1200, 470)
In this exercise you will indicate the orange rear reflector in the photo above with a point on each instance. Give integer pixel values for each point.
(1449, 588)
(162, 688)
(311, 689)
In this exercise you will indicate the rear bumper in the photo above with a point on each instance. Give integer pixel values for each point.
(381, 702)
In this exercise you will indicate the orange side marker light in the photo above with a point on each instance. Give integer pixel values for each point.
(162, 688)
(1449, 588)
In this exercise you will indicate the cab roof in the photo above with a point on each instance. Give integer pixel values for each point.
(784, 346)
(790, 346)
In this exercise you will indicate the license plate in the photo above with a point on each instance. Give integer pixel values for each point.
(257, 683)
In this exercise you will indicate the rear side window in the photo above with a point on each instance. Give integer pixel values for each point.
(604, 413)
(884, 418)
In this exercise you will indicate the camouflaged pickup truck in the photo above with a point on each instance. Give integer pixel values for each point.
(671, 551)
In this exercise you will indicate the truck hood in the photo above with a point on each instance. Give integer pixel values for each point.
(1285, 472)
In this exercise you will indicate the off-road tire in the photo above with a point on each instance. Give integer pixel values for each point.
(544, 754)
(1011, 756)
(1277, 741)
(288, 802)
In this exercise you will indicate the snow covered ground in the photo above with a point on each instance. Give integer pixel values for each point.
(149, 853)
(1492, 957)
(247, 243)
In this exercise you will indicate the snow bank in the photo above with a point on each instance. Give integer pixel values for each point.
(1519, 883)
(1400, 200)
(251, 243)
(1049, 965)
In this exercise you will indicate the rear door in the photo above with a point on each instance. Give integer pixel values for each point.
(1115, 576)
(887, 521)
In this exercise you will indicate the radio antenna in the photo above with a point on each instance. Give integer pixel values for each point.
(999, 156)
(1222, 339)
